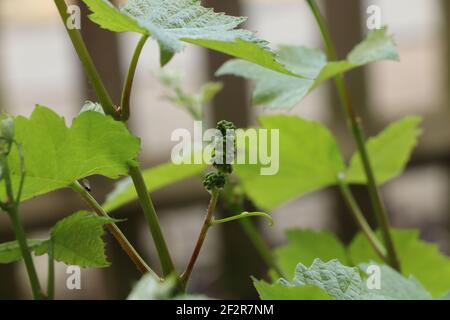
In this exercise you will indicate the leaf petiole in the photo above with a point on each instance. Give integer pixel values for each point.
(243, 215)
(201, 238)
(86, 60)
(126, 91)
(114, 230)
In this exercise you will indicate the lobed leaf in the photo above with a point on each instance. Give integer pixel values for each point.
(341, 282)
(394, 286)
(171, 22)
(278, 291)
(77, 240)
(418, 258)
(389, 152)
(309, 159)
(277, 90)
(304, 246)
(56, 156)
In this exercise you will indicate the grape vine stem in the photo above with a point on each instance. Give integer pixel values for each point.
(355, 125)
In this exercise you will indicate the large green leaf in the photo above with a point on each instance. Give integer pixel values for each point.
(345, 283)
(172, 21)
(339, 281)
(278, 291)
(56, 156)
(394, 286)
(10, 251)
(77, 240)
(306, 245)
(278, 90)
(309, 159)
(418, 258)
(155, 178)
(388, 152)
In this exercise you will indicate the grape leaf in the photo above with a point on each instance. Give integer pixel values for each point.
(56, 156)
(278, 291)
(345, 283)
(192, 103)
(309, 159)
(77, 240)
(388, 152)
(277, 90)
(10, 251)
(170, 22)
(394, 286)
(418, 258)
(155, 178)
(306, 245)
(339, 281)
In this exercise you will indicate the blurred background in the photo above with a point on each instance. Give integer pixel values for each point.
(38, 65)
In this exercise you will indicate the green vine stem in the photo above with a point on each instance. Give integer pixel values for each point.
(12, 209)
(21, 238)
(360, 219)
(114, 230)
(87, 62)
(167, 265)
(234, 203)
(261, 246)
(201, 238)
(358, 135)
(126, 92)
(243, 215)
(51, 272)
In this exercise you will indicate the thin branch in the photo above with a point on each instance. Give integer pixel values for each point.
(126, 91)
(201, 238)
(86, 61)
(361, 220)
(358, 135)
(114, 230)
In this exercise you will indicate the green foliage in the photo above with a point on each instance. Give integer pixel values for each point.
(77, 240)
(192, 103)
(10, 251)
(305, 246)
(395, 286)
(278, 291)
(418, 258)
(339, 281)
(56, 156)
(171, 22)
(278, 90)
(344, 283)
(155, 178)
(309, 159)
(389, 151)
